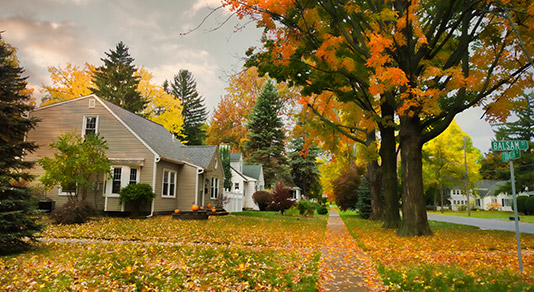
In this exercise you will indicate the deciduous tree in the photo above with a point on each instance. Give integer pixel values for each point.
(76, 163)
(162, 107)
(412, 62)
(68, 83)
(443, 161)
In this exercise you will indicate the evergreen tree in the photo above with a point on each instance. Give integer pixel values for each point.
(225, 161)
(266, 137)
(184, 87)
(521, 129)
(364, 199)
(303, 167)
(17, 209)
(116, 81)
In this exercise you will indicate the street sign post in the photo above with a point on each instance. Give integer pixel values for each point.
(513, 151)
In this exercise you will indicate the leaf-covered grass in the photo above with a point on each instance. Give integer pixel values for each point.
(236, 253)
(455, 258)
(486, 214)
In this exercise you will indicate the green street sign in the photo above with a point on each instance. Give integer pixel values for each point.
(511, 155)
(507, 145)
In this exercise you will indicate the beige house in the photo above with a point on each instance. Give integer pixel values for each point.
(140, 151)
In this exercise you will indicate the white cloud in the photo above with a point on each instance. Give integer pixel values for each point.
(202, 4)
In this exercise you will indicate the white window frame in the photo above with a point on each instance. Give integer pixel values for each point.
(125, 179)
(214, 188)
(84, 128)
(167, 194)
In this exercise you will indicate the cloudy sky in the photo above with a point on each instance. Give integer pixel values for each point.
(54, 32)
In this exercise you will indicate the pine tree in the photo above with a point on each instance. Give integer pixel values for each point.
(116, 82)
(266, 137)
(184, 87)
(521, 129)
(17, 210)
(303, 166)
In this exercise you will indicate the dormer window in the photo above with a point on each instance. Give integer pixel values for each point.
(90, 125)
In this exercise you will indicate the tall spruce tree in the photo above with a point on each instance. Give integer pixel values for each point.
(266, 137)
(520, 129)
(184, 87)
(116, 81)
(17, 209)
(303, 167)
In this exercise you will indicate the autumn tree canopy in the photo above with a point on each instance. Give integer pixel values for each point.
(411, 62)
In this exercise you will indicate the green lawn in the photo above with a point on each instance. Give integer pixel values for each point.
(486, 214)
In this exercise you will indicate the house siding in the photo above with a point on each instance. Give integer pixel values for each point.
(215, 169)
(67, 117)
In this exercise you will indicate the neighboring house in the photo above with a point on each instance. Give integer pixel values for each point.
(140, 151)
(485, 195)
(246, 180)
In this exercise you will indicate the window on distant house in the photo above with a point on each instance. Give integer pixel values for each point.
(169, 184)
(214, 187)
(133, 176)
(236, 186)
(90, 124)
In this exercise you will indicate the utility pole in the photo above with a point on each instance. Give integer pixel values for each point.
(466, 178)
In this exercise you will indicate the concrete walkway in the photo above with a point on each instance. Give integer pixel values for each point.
(344, 266)
(483, 223)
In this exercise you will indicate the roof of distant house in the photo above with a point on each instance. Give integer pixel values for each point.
(235, 157)
(200, 155)
(253, 171)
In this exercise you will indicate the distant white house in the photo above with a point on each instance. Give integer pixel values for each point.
(246, 180)
(485, 196)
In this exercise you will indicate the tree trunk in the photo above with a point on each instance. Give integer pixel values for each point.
(375, 183)
(388, 153)
(435, 208)
(414, 217)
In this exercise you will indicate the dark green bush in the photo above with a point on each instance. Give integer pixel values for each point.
(136, 194)
(364, 200)
(322, 210)
(530, 205)
(306, 208)
(522, 204)
(73, 212)
(262, 199)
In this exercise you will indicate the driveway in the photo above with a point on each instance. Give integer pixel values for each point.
(492, 224)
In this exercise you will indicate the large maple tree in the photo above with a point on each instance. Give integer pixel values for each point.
(411, 65)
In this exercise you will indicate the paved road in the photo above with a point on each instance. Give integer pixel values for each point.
(495, 224)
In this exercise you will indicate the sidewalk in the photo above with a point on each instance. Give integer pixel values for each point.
(344, 266)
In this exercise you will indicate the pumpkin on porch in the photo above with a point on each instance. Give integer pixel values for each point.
(176, 211)
(213, 210)
(208, 206)
(194, 208)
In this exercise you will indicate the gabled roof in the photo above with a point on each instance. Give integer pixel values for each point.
(235, 157)
(199, 155)
(244, 177)
(153, 135)
(253, 171)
